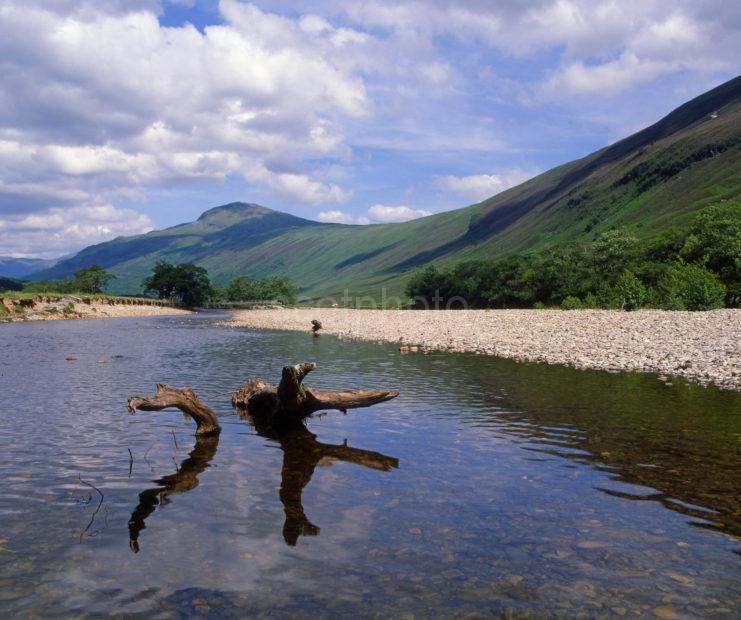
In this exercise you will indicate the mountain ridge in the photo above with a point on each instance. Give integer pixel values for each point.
(14, 267)
(647, 182)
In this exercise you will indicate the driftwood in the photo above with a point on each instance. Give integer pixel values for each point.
(184, 399)
(276, 413)
(291, 401)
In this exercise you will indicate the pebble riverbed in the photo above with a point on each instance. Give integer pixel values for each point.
(700, 346)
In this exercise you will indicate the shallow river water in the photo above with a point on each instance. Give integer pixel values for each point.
(488, 488)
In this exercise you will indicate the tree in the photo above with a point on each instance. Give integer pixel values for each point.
(218, 293)
(249, 288)
(91, 279)
(612, 251)
(691, 287)
(714, 241)
(192, 286)
(243, 288)
(10, 284)
(186, 283)
(427, 286)
(283, 289)
(162, 281)
(685, 267)
(631, 291)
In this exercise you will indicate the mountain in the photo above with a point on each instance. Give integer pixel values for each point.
(647, 182)
(11, 267)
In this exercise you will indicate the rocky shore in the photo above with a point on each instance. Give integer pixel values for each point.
(699, 346)
(54, 307)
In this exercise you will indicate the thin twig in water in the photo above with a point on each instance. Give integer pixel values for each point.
(175, 440)
(146, 460)
(100, 503)
(131, 461)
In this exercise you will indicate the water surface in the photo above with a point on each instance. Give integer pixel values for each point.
(487, 488)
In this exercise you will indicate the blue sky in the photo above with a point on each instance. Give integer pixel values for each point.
(119, 116)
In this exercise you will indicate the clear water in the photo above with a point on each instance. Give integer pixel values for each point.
(521, 490)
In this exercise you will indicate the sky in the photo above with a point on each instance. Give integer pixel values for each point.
(120, 116)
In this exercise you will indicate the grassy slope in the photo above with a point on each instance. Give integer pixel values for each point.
(649, 181)
(601, 202)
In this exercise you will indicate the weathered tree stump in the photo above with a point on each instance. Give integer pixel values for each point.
(184, 399)
(292, 402)
(276, 413)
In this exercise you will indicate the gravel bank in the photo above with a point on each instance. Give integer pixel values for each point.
(71, 307)
(701, 346)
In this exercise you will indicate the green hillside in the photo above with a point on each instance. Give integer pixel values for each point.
(647, 182)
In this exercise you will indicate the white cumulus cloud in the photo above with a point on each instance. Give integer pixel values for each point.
(98, 100)
(377, 214)
(53, 232)
(604, 47)
(299, 187)
(385, 214)
(477, 187)
(335, 217)
(101, 101)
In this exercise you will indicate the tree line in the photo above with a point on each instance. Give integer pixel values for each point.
(189, 285)
(695, 267)
(186, 284)
(92, 280)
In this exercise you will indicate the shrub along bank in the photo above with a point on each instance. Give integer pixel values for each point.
(697, 267)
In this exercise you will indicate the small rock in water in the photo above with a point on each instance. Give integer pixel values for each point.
(665, 612)
(680, 578)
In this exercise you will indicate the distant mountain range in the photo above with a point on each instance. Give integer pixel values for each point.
(652, 180)
(19, 267)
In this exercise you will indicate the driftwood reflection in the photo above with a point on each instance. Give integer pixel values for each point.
(184, 480)
(301, 455)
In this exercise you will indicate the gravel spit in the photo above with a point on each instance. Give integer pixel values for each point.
(699, 346)
(71, 307)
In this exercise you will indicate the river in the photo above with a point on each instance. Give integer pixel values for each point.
(487, 488)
